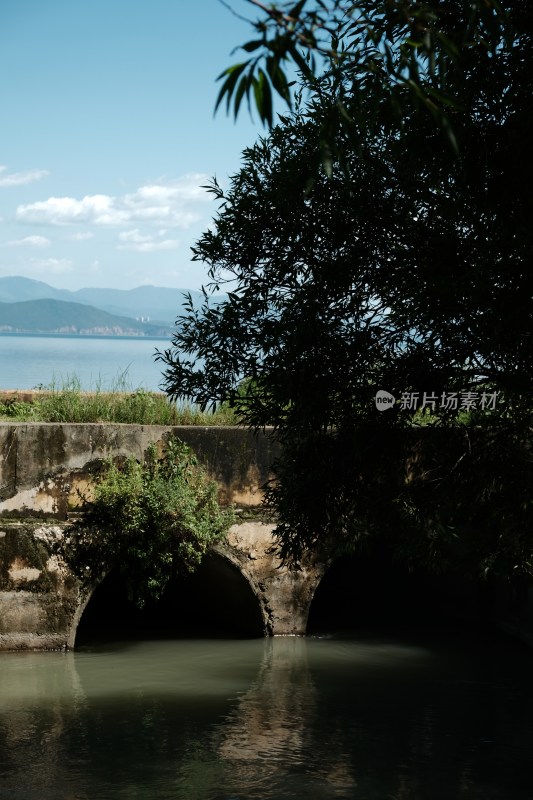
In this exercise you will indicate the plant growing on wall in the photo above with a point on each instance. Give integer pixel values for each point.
(152, 520)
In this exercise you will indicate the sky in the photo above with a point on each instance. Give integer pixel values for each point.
(108, 132)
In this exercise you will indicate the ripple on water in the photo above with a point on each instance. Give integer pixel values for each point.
(261, 719)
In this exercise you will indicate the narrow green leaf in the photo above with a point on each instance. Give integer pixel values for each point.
(242, 89)
(228, 86)
(267, 98)
(258, 96)
(278, 78)
(251, 46)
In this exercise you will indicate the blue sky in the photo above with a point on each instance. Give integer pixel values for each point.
(107, 134)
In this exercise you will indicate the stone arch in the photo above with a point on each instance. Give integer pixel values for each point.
(83, 601)
(218, 599)
(237, 564)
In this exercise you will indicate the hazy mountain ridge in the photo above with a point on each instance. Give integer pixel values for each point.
(159, 305)
(58, 316)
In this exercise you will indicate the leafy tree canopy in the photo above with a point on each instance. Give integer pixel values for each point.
(404, 54)
(369, 245)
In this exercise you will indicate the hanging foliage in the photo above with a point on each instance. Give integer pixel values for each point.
(153, 521)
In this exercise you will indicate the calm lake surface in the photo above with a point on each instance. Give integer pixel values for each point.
(96, 361)
(286, 718)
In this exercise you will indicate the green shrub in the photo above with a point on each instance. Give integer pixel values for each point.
(17, 410)
(153, 520)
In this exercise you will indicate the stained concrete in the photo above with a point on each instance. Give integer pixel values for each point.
(42, 602)
(46, 469)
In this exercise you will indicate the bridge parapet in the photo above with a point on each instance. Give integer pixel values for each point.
(44, 467)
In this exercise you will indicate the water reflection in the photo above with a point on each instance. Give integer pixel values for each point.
(264, 739)
(281, 718)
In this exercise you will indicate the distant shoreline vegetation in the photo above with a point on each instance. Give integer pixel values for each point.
(61, 335)
(65, 318)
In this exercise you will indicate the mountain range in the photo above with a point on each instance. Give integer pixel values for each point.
(30, 306)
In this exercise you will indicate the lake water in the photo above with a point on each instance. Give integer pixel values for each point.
(318, 718)
(96, 361)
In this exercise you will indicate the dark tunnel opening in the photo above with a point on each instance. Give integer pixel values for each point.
(371, 595)
(216, 601)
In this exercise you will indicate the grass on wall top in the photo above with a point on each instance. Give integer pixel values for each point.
(66, 402)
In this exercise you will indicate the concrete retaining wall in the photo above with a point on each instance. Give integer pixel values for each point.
(45, 469)
(45, 466)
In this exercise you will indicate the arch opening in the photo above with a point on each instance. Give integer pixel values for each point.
(370, 595)
(216, 601)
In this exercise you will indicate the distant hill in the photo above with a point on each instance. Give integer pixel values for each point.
(157, 304)
(57, 316)
(16, 289)
(145, 301)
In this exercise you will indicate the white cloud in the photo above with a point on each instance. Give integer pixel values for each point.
(64, 210)
(21, 178)
(152, 247)
(32, 241)
(134, 240)
(170, 204)
(82, 236)
(134, 237)
(53, 265)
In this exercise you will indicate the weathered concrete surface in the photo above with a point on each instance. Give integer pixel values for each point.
(41, 601)
(38, 595)
(45, 467)
(285, 595)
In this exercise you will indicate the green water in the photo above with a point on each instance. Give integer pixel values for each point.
(286, 718)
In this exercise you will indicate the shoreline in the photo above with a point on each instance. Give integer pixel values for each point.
(39, 335)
